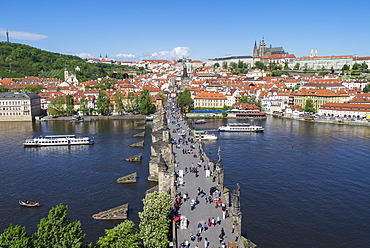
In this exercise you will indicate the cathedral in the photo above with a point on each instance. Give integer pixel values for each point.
(262, 50)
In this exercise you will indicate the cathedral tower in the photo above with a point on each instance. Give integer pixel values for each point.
(262, 47)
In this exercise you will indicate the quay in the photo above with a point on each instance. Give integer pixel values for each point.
(206, 214)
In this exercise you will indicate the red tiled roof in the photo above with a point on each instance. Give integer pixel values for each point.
(210, 95)
(346, 107)
(327, 57)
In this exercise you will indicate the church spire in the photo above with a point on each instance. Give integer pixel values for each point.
(255, 49)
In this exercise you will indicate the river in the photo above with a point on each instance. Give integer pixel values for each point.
(302, 184)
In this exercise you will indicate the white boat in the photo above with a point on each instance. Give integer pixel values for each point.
(200, 121)
(58, 140)
(240, 127)
(204, 135)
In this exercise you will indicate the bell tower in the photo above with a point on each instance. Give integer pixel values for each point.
(262, 47)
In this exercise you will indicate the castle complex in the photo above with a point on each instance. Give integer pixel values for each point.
(262, 50)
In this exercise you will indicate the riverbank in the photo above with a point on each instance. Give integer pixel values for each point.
(331, 121)
(338, 121)
(96, 117)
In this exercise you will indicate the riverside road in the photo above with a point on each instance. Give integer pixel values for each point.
(205, 221)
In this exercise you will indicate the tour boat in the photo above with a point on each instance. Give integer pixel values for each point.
(240, 127)
(29, 204)
(58, 140)
(204, 135)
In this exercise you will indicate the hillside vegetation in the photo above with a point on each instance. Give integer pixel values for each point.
(18, 61)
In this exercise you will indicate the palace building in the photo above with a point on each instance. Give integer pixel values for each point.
(19, 106)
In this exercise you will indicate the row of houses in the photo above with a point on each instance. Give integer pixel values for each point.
(210, 88)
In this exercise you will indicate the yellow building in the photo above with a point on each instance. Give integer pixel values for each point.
(318, 97)
(210, 100)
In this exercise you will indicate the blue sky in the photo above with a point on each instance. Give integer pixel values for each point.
(203, 29)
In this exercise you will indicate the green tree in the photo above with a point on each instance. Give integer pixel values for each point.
(14, 89)
(356, 66)
(145, 102)
(305, 67)
(57, 106)
(184, 99)
(118, 100)
(366, 88)
(35, 89)
(224, 109)
(70, 106)
(345, 67)
(297, 66)
(364, 66)
(259, 65)
(155, 220)
(123, 235)
(132, 102)
(216, 65)
(56, 230)
(286, 66)
(84, 106)
(309, 107)
(3, 88)
(102, 103)
(233, 65)
(15, 236)
(224, 65)
(241, 64)
(244, 99)
(105, 84)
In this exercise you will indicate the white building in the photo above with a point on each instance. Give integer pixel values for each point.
(348, 110)
(19, 106)
(327, 62)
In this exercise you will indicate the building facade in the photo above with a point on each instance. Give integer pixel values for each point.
(346, 110)
(318, 97)
(19, 106)
(210, 100)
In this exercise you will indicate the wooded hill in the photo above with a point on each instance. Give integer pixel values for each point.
(18, 61)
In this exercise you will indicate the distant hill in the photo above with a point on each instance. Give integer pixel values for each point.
(18, 61)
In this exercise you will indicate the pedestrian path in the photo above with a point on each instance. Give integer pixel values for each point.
(199, 197)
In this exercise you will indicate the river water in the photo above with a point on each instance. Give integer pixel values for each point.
(82, 177)
(302, 184)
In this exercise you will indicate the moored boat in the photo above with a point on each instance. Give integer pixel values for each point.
(204, 135)
(58, 140)
(29, 204)
(240, 127)
(200, 121)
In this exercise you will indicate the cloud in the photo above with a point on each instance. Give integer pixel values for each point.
(176, 53)
(122, 56)
(84, 55)
(22, 35)
(67, 51)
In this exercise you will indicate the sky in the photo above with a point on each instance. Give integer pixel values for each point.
(199, 30)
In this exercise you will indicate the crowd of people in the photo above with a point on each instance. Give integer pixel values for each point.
(210, 231)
